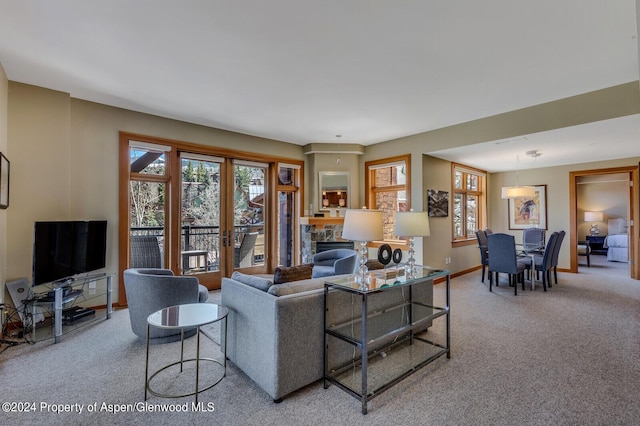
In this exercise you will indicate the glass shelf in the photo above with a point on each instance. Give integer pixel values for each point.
(54, 314)
(393, 333)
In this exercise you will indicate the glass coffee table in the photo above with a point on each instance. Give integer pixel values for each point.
(184, 317)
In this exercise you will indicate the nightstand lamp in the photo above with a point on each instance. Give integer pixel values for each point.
(412, 224)
(362, 225)
(594, 218)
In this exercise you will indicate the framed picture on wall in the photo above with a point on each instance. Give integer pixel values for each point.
(529, 212)
(4, 182)
(438, 203)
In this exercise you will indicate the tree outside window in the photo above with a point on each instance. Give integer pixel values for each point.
(469, 201)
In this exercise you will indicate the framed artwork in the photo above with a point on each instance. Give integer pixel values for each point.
(438, 203)
(4, 182)
(529, 212)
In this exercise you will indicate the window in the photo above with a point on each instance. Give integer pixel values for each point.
(388, 188)
(469, 201)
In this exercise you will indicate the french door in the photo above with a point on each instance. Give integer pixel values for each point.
(193, 213)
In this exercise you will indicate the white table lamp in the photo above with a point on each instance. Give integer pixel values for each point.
(362, 225)
(412, 224)
(594, 217)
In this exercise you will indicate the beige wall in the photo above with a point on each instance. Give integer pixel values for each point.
(319, 162)
(65, 162)
(558, 208)
(620, 101)
(4, 94)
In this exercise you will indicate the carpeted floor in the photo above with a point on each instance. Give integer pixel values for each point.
(570, 356)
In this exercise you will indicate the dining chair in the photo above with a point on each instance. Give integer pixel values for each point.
(503, 259)
(543, 262)
(533, 239)
(556, 255)
(482, 245)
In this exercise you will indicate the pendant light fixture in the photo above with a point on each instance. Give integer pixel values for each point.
(510, 192)
(338, 160)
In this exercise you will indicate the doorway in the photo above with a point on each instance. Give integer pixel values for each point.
(598, 202)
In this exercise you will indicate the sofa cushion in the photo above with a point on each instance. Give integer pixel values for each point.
(253, 281)
(292, 273)
(293, 287)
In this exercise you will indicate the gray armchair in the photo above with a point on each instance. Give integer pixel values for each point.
(334, 262)
(149, 290)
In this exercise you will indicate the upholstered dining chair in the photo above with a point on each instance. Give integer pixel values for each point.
(482, 245)
(503, 259)
(543, 263)
(533, 239)
(556, 255)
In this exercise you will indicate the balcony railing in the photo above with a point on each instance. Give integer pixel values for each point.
(206, 238)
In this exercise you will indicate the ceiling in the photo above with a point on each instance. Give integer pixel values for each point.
(303, 71)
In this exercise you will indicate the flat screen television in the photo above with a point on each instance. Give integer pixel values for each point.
(63, 249)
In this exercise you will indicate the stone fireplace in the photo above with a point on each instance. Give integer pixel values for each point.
(320, 229)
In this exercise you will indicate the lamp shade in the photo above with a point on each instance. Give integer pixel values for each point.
(412, 224)
(362, 225)
(593, 216)
(518, 192)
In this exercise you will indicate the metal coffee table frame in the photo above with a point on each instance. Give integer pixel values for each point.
(201, 314)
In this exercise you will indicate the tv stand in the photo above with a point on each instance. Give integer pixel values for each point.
(61, 302)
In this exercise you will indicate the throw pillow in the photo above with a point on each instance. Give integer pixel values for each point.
(250, 280)
(374, 264)
(292, 273)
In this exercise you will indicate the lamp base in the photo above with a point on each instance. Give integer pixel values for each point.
(594, 230)
(361, 275)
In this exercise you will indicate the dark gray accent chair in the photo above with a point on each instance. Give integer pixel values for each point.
(334, 262)
(150, 290)
(503, 259)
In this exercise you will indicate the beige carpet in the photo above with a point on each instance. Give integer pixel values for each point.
(570, 356)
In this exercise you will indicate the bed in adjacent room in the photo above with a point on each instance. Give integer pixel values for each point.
(617, 241)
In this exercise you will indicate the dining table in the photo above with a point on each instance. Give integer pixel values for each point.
(531, 251)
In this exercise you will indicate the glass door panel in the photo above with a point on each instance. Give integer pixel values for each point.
(147, 224)
(249, 248)
(200, 215)
(286, 232)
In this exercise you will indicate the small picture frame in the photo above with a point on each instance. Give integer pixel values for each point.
(529, 212)
(4, 182)
(438, 203)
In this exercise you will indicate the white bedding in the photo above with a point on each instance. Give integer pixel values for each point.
(617, 247)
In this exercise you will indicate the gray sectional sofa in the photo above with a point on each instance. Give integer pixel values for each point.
(275, 332)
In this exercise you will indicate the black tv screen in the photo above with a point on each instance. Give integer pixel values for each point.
(63, 249)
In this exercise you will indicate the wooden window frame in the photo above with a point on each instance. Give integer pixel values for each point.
(481, 193)
(370, 191)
